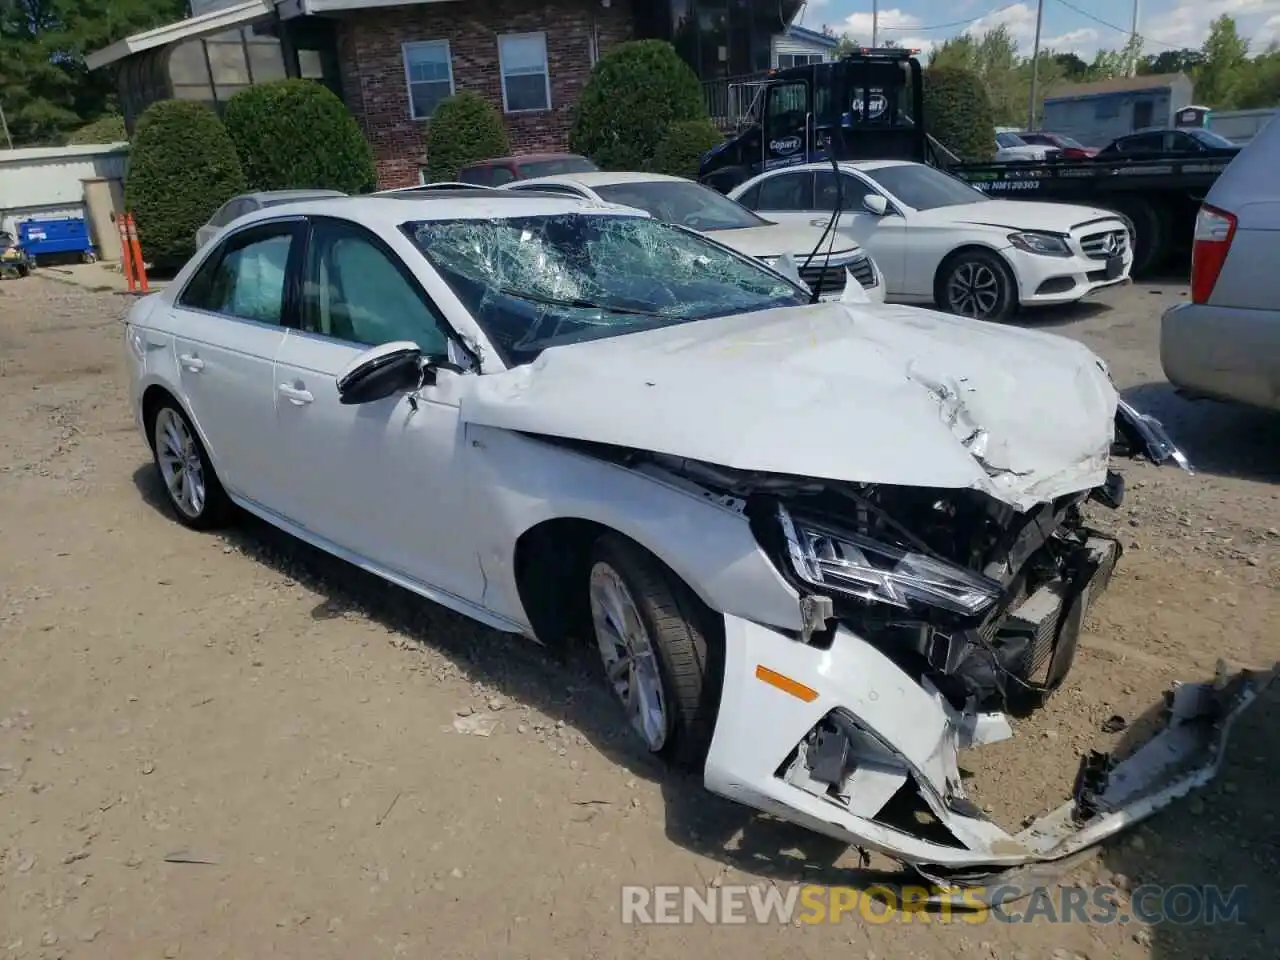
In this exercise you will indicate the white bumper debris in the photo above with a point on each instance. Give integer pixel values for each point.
(826, 738)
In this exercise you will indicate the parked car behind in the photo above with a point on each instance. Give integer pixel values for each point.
(1225, 341)
(1010, 148)
(248, 202)
(496, 172)
(1068, 148)
(939, 240)
(1172, 142)
(699, 207)
(818, 548)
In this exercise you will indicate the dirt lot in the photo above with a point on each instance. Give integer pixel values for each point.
(287, 723)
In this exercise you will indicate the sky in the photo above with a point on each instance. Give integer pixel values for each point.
(1081, 26)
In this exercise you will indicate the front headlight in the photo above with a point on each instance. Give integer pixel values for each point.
(853, 565)
(1044, 244)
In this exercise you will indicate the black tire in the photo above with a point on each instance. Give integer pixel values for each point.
(977, 265)
(209, 511)
(687, 641)
(1149, 234)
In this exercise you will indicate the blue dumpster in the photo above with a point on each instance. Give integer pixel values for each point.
(56, 236)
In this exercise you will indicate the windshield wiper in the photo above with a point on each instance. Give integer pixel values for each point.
(581, 304)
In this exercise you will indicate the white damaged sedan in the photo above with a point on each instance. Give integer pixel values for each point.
(820, 547)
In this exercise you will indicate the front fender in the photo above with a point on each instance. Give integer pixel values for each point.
(521, 481)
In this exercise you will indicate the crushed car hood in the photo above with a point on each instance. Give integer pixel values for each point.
(875, 394)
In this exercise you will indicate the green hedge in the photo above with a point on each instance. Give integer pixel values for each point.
(635, 93)
(679, 153)
(108, 129)
(464, 129)
(296, 134)
(957, 111)
(182, 168)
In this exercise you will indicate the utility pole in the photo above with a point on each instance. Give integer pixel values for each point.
(4, 125)
(875, 23)
(1133, 42)
(1035, 66)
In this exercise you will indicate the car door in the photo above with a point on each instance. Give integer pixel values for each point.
(883, 237)
(229, 324)
(381, 480)
(787, 124)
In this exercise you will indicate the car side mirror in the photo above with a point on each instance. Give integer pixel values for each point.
(875, 204)
(381, 372)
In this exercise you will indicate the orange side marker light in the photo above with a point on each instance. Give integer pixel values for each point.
(786, 684)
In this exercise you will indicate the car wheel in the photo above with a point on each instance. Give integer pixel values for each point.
(977, 284)
(658, 648)
(191, 487)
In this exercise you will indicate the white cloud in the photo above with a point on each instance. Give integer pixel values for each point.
(894, 21)
(1080, 42)
(1187, 25)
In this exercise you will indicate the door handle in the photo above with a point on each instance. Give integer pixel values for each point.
(295, 395)
(191, 362)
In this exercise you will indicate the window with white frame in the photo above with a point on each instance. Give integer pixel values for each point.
(526, 81)
(799, 59)
(428, 70)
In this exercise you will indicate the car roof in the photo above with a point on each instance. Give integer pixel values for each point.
(388, 211)
(820, 165)
(1248, 186)
(524, 158)
(284, 194)
(605, 178)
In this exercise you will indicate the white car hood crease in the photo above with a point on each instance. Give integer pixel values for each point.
(892, 395)
(1019, 215)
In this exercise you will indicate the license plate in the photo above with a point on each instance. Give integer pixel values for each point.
(1115, 267)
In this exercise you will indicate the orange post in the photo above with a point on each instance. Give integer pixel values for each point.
(139, 267)
(126, 256)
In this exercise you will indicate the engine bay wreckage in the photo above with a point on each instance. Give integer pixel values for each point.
(930, 613)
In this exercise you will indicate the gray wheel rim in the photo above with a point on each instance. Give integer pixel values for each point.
(626, 649)
(973, 290)
(179, 459)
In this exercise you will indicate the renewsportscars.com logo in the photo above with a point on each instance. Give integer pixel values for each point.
(810, 904)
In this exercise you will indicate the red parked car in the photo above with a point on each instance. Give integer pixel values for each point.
(1070, 149)
(496, 172)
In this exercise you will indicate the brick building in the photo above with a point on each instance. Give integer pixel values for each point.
(392, 61)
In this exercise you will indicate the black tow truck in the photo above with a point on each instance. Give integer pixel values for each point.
(869, 106)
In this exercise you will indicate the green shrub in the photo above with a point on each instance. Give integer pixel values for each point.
(680, 152)
(182, 168)
(296, 135)
(108, 129)
(465, 128)
(636, 92)
(957, 111)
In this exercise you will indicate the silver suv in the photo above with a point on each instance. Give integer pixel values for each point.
(1225, 342)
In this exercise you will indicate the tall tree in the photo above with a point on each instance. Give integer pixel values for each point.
(45, 89)
(1072, 67)
(1171, 61)
(1221, 78)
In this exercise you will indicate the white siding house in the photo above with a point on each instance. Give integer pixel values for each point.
(798, 46)
(49, 181)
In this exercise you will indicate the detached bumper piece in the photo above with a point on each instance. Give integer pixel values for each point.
(844, 742)
(1143, 434)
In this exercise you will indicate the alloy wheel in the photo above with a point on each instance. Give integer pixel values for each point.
(178, 456)
(973, 290)
(628, 654)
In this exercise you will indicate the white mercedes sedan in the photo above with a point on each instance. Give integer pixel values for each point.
(941, 241)
(825, 263)
(819, 547)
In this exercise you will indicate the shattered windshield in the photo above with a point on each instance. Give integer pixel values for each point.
(542, 281)
(689, 204)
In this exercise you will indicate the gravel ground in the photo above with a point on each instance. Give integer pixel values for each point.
(234, 746)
